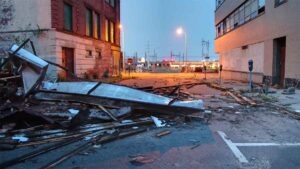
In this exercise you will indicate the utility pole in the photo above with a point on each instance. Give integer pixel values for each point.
(205, 50)
(148, 48)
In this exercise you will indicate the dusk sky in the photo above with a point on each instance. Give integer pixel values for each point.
(155, 21)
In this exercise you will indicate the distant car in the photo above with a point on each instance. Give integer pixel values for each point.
(139, 68)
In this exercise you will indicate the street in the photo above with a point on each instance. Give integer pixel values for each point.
(237, 136)
(149, 84)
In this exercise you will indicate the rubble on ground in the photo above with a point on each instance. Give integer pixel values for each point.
(35, 111)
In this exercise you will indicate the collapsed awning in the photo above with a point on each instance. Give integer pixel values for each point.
(115, 95)
(32, 68)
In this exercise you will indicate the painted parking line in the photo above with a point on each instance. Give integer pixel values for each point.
(265, 144)
(239, 155)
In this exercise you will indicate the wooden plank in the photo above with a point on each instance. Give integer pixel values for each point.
(9, 78)
(240, 101)
(163, 133)
(110, 114)
(251, 102)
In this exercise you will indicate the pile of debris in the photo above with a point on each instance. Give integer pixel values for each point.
(35, 112)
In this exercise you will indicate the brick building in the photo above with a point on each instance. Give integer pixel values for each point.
(266, 31)
(82, 35)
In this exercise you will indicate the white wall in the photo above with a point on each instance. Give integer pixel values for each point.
(26, 14)
(81, 45)
(237, 59)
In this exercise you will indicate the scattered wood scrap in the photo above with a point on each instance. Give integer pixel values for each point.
(163, 133)
(141, 159)
(243, 100)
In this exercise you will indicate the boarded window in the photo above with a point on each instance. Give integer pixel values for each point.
(68, 21)
(89, 23)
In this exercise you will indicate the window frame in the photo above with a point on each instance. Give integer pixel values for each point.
(89, 31)
(107, 30)
(110, 31)
(277, 3)
(241, 15)
(97, 26)
(71, 17)
(112, 27)
(111, 3)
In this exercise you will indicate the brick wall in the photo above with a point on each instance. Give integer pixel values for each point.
(79, 17)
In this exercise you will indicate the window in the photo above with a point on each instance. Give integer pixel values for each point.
(228, 24)
(241, 15)
(246, 12)
(109, 31)
(224, 28)
(89, 23)
(112, 3)
(236, 18)
(219, 3)
(112, 32)
(254, 8)
(98, 54)
(279, 2)
(97, 26)
(68, 20)
(261, 6)
(231, 21)
(89, 54)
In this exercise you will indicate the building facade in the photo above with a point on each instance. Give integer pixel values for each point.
(265, 31)
(81, 35)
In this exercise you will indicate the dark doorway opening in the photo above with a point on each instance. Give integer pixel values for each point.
(279, 61)
(68, 62)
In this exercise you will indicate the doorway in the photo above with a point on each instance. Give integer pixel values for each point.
(279, 61)
(68, 62)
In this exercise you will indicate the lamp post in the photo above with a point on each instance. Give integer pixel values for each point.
(122, 47)
(180, 31)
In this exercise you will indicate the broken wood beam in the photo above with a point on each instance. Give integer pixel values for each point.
(174, 90)
(36, 153)
(110, 114)
(9, 78)
(249, 101)
(236, 98)
(86, 146)
(163, 133)
(216, 86)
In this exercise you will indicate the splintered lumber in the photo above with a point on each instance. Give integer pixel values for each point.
(147, 88)
(69, 141)
(174, 90)
(143, 100)
(251, 102)
(236, 98)
(55, 139)
(38, 152)
(215, 86)
(104, 127)
(163, 133)
(86, 146)
(9, 78)
(110, 114)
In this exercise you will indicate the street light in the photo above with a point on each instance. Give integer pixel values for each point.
(122, 47)
(179, 32)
